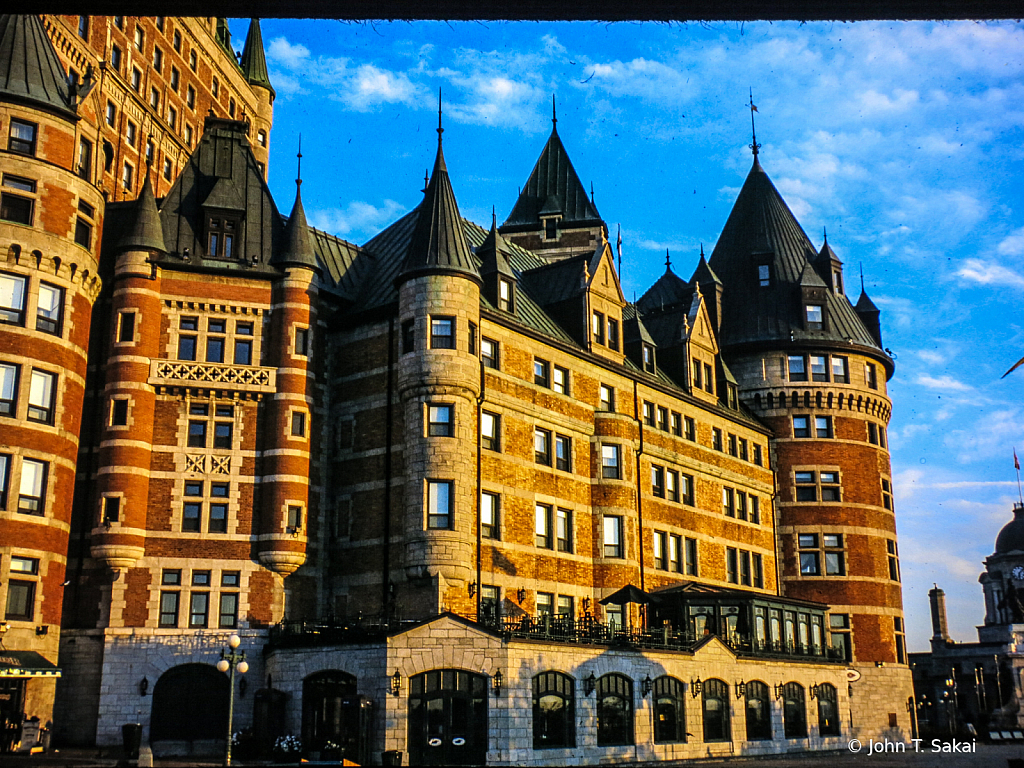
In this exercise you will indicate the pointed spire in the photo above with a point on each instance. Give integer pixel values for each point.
(554, 116)
(298, 249)
(145, 232)
(439, 163)
(493, 252)
(426, 180)
(591, 192)
(29, 66)
(753, 132)
(254, 61)
(704, 274)
(668, 261)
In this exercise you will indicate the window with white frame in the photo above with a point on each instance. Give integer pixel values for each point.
(490, 515)
(32, 491)
(490, 430)
(613, 538)
(439, 504)
(542, 527)
(611, 462)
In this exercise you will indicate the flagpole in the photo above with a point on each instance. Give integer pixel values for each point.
(1016, 465)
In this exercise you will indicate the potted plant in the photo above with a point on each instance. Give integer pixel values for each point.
(287, 749)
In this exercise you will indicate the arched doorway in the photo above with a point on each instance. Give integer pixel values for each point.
(447, 718)
(190, 703)
(335, 720)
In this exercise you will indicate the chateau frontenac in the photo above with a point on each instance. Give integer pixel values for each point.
(457, 496)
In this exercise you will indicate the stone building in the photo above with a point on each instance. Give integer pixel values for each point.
(979, 683)
(458, 497)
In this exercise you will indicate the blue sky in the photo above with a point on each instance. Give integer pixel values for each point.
(905, 140)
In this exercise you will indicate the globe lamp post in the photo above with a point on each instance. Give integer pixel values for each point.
(232, 659)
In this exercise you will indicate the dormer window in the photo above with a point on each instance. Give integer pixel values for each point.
(550, 227)
(837, 281)
(506, 301)
(221, 234)
(597, 327)
(764, 275)
(648, 357)
(613, 334)
(815, 317)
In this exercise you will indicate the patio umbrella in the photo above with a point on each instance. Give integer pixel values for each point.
(629, 594)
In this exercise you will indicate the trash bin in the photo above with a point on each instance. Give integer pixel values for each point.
(131, 736)
(391, 757)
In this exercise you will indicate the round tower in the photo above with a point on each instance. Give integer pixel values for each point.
(254, 67)
(812, 367)
(285, 489)
(439, 385)
(122, 479)
(49, 245)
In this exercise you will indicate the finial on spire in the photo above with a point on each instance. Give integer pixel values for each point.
(862, 277)
(298, 173)
(668, 260)
(824, 231)
(753, 132)
(494, 218)
(554, 117)
(591, 192)
(702, 250)
(440, 128)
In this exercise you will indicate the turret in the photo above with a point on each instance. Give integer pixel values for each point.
(439, 384)
(254, 67)
(500, 282)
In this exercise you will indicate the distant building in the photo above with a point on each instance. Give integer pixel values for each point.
(979, 683)
(411, 474)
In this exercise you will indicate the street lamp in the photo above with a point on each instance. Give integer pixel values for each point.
(232, 659)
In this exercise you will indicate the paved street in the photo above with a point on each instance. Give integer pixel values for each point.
(985, 756)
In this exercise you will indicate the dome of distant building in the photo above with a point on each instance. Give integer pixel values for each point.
(1011, 538)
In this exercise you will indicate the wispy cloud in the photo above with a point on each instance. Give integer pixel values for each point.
(989, 273)
(943, 383)
(358, 219)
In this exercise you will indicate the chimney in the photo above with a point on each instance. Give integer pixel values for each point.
(940, 630)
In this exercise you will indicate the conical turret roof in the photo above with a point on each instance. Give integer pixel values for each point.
(762, 231)
(298, 249)
(254, 60)
(144, 231)
(438, 242)
(493, 253)
(553, 187)
(864, 303)
(29, 67)
(704, 273)
(668, 291)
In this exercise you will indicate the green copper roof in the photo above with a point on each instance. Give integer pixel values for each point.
(254, 62)
(29, 67)
(144, 231)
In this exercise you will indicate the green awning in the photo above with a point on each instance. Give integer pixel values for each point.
(26, 664)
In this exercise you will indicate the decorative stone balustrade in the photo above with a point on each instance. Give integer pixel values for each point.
(189, 375)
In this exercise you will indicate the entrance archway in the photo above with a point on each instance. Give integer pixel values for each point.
(190, 703)
(447, 718)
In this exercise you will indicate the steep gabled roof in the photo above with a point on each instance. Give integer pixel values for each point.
(254, 61)
(438, 244)
(29, 67)
(761, 229)
(553, 187)
(493, 253)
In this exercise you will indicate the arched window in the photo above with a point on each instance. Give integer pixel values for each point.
(716, 711)
(554, 711)
(614, 710)
(669, 711)
(794, 711)
(759, 711)
(828, 711)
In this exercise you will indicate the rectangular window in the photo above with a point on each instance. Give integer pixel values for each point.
(8, 388)
(490, 515)
(83, 227)
(871, 375)
(648, 358)
(658, 481)
(50, 309)
(886, 484)
(442, 333)
(744, 568)
(439, 420)
(663, 419)
(196, 434)
(744, 453)
(84, 165)
(489, 353)
(560, 380)
(504, 295)
(806, 486)
(541, 372)
(542, 526)
(218, 517)
(565, 606)
(439, 504)
(111, 509)
(131, 133)
(840, 370)
(810, 557)
(757, 565)
(294, 521)
(697, 368)
(190, 97)
(801, 426)
(660, 542)
(728, 502)
(597, 327)
(542, 446)
(168, 166)
(22, 138)
(732, 565)
(691, 429)
(154, 102)
(158, 59)
(901, 640)
(32, 493)
(823, 426)
(830, 490)
(243, 346)
(607, 402)
(716, 439)
(140, 37)
(687, 483)
(835, 557)
(199, 606)
(169, 609)
(797, 368)
(764, 275)
(175, 79)
(677, 424)
(408, 336)
(755, 510)
(563, 530)
(192, 60)
(230, 579)
(839, 635)
(136, 82)
(563, 453)
(675, 553)
(42, 388)
(741, 505)
(672, 485)
(709, 379)
(648, 408)
(192, 516)
(83, 27)
(545, 603)
(171, 577)
(757, 455)
(610, 462)
(490, 431)
(111, 114)
(815, 320)
(298, 424)
(222, 434)
(734, 449)
(613, 334)
(613, 537)
(228, 610)
(819, 367)
(471, 341)
(17, 208)
(690, 551)
(894, 561)
(127, 177)
(21, 598)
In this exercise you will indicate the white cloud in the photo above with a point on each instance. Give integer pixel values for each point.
(359, 220)
(287, 55)
(943, 383)
(1012, 245)
(370, 87)
(988, 273)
